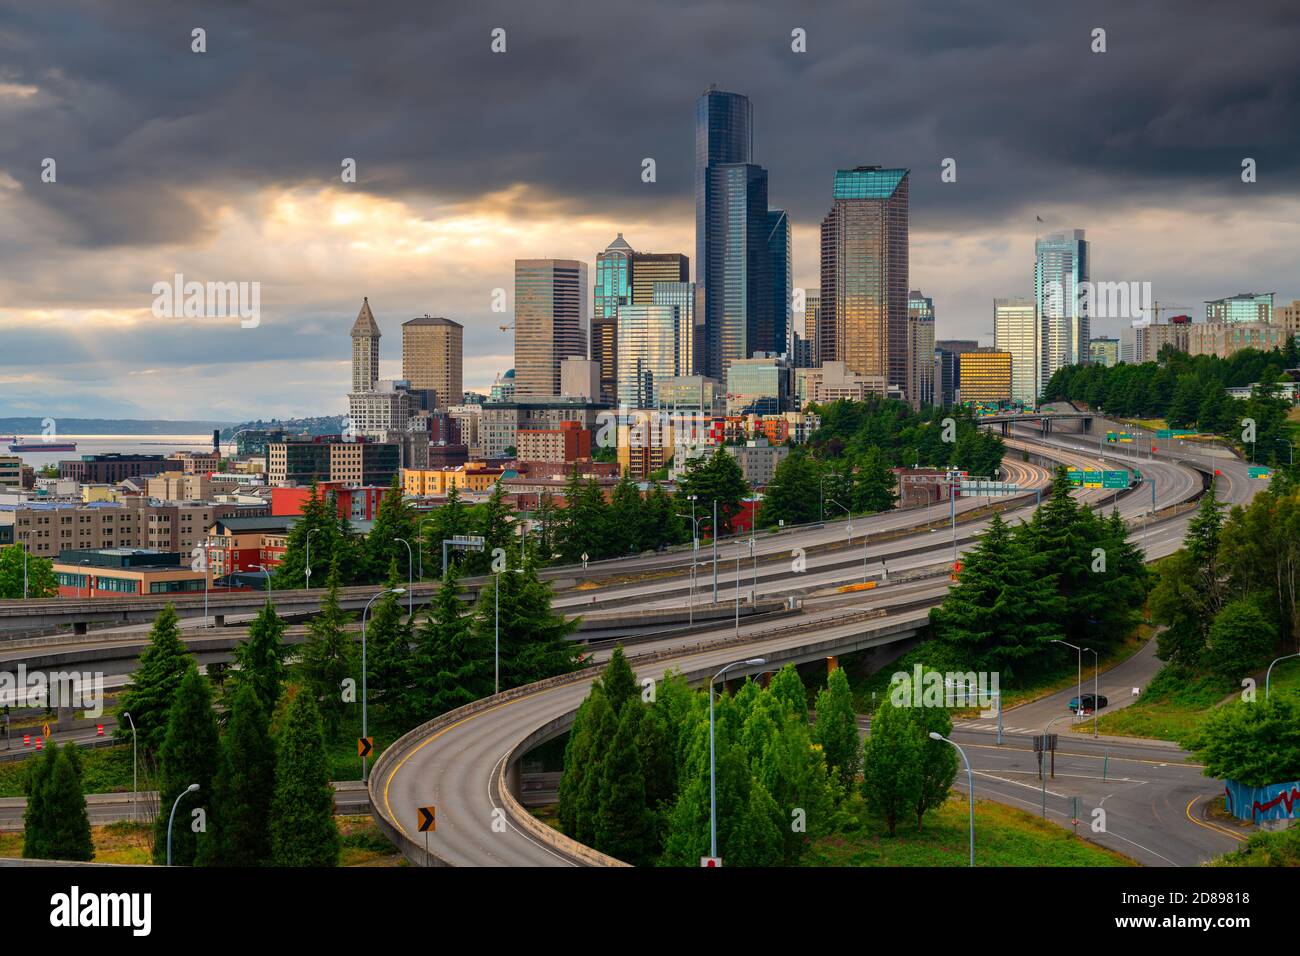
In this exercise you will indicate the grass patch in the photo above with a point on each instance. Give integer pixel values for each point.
(1004, 836)
(127, 843)
(364, 844)
(104, 770)
(1170, 707)
(1266, 849)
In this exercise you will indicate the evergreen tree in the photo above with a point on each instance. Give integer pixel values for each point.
(450, 520)
(388, 649)
(619, 682)
(260, 659)
(239, 829)
(787, 687)
(792, 494)
(318, 524)
(625, 829)
(328, 657)
(1242, 638)
(757, 839)
(534, 640)
(891, 777)
(578, 751)
(39, 824)
(873, 484)
(626, 520)
(61, 828)
(189, 755)
(303, 832)
(453, 665)
(716, 478)
(836, 730)
(393, 519)
(148, 697)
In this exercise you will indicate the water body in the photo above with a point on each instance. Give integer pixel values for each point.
(110, 444)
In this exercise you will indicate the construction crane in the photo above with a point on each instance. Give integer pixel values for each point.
(506, 328)
(1157, 308)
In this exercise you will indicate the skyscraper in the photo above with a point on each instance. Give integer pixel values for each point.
(613, 288)
(1016, 330)
(649, 350)
(733, 262)
(684, 297)
(651, 268)
(779, 249)
(365, 349)
(432, 355)
(863, 319)
(1061, 266)
(550, 322)
(920, 349)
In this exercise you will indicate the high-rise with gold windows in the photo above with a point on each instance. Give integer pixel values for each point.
(985, 376)
(432, 350)
(550, 322)
(863, 316)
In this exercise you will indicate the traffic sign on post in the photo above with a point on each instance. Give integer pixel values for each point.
(427, 820)
(365, 745)
(710, 861)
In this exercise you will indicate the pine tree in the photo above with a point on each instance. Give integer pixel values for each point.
(328, 657)
(60, 818)
(318, 523)
(303, 832)
(577, 763)
(618, 681)
(836, 729)
(38, 818)
(792, 494)
(260, 659)
(624, 827)
(190, 754)
(393, 519)
(148, 697)
(534, 640)
(239, 832)
(452, 665)
(388, 649)
(627, 515)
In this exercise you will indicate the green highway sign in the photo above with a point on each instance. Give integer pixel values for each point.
(1114, 479)
(1258, 471)
(1164, 433)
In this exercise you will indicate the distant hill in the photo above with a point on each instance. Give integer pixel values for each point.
(315, 425)
(108, 426)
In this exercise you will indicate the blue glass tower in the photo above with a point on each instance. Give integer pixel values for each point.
(733, 261)
(779, 249)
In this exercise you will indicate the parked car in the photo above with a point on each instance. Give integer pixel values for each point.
(1088, 700)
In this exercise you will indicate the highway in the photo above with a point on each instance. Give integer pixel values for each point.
(461, 763)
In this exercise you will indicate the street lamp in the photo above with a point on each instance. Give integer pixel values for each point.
(970, 788)
(190, 789)
(1268, 675)
(695, 550)
(410, 587)
(713, 776)
(1096, 698)
(310, 532)
(264, 570)
(1079, 698)
(135, 789)
(847, 512)
(365, 611)
(1041, 774)
(79, 564)
(24, 538)
(1291, 449)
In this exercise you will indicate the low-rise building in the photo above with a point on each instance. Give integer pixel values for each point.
(118, 572)
(758, 460)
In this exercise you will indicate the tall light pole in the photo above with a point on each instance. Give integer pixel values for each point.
(713, 774)
(1042, 773)
(171, 819)
(713, 530)
(1096, 697)
(366, 611)
(207, 579)
(24, 538)
(263, 569)
(1268, 675)
(310, 532)
(1290, 448)
(410, 587)
(1079, 692)
(739, 546)
(79, 564)
(135, 788)
(695, 550)
(970, 788)
(847, 512)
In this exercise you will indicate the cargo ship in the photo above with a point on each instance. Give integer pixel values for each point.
(20, 445)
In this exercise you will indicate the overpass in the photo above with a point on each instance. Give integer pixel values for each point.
(1042, 420)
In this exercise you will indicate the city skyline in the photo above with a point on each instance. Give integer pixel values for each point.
(156, 186)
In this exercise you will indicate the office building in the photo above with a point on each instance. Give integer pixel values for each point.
(760, 386)
(1242, 307)
(550, 322)
(832, 381)
(1150, 339)
(649, 269)
(690, 393)
(863, 317)
(569, 442)
(780, 251)
(1016, 330)
(1104, 350)
(432, 350)
(758, 459)
(651, 340)
(613, 288)
(685, 297)
(920, 349)
(111, 468)
(329, 458)
(949, 379)
(1287, 318)
(1128, 346)
(1061, 267)
(985, 376)
(580, 378)
(500, 423)
(365, 349)
(733, 261)
(1226, 338)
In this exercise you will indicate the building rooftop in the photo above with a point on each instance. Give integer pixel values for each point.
(431, 320)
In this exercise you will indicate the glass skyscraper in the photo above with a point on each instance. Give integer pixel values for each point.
(779, 248)
(733, 263)
(864, 302)
(612, 289)
(1242, 307)
(682, 296)
(1016, 330)
(1061, 266)
(649, 348)
(550, 322)
(920, 349)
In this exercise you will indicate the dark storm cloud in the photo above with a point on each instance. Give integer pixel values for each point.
(587, 89)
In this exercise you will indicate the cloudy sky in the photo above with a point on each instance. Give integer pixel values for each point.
(225, 165)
